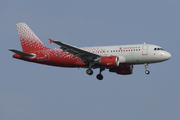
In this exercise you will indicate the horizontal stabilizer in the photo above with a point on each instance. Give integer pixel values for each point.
(23, 53)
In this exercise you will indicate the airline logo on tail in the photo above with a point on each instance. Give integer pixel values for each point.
(29, 41)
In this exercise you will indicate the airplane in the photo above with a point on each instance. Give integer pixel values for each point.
(118, 59)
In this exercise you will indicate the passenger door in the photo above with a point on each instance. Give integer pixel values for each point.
(145, 50)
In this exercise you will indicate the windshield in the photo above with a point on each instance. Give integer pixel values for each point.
(158, 49)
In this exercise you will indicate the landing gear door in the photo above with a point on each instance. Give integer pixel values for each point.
(144, 49)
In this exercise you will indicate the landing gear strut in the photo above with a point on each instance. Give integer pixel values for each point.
(99, 76)
(146, 67)
(90, 71)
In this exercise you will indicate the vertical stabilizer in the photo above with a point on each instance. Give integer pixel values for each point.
(29, 41)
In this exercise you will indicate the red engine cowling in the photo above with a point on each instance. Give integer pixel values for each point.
(123, 70)
(110, 61)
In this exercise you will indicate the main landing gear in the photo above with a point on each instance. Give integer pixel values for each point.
(99, 76)
(89, 71)
(146, 67)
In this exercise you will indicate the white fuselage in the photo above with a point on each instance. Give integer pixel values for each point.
(133, 54)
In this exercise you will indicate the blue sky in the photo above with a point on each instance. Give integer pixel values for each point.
(32, 91)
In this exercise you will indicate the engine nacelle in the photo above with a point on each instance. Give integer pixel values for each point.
(123, 70)
(109, 61)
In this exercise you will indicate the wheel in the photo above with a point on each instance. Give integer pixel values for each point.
(99, 77)
(89, 71)
(147, 72)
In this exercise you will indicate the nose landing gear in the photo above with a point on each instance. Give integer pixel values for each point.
(147, 72)
(146, 67)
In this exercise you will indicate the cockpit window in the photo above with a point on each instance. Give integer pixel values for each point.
(158, 49)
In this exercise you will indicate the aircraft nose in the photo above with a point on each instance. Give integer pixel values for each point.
(166, 55)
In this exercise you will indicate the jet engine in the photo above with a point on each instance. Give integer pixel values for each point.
(109, 61)
(123, 70)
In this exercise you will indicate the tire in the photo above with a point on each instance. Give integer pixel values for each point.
(147, 72)
(89, 71)
(99, 77)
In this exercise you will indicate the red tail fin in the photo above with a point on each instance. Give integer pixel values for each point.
(29, 41)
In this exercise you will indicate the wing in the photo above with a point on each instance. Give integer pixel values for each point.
(84, 55)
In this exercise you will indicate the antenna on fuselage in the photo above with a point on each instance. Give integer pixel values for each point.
(144, 43)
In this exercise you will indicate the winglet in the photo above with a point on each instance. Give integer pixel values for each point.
(51, 41)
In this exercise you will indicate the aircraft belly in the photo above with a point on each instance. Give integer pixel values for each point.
(130, 58)
(61, 61)
(144, 59)
(136, 59)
